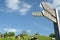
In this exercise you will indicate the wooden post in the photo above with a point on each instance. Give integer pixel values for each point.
(57, 27)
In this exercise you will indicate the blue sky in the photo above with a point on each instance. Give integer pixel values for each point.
(16, 16)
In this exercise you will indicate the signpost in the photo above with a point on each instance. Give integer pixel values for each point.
(52, 15)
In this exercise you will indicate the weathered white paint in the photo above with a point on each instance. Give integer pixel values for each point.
(49, 16)
(37, 14)
(48, 8)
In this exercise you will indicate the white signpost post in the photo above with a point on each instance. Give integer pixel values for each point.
(52, 15)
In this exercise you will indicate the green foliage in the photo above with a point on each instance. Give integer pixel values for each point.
(11, 33)
(21, 35)
(37, 34)
(52, 35)
(24, 33)
(26, 38)
(6, 34)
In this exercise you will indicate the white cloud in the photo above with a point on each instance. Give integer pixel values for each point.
(15, 30)
(10, 30)
(24, 8)
(56, 4)
(23, 11)
(12, 4)
(17, 5)
(28, 31)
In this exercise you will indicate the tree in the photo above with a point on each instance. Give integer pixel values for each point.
(52, 35)
(24, 32)
(22, 36)
(37, 34)
(11, 33)
(6, 34)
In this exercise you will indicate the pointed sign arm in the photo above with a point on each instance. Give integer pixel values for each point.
(45, 14)
(37, 14)
(48, 16)
(47, 8)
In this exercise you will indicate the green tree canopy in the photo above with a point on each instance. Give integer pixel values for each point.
(6, 34)
(11, 33)
(24, 32)
(52, 35)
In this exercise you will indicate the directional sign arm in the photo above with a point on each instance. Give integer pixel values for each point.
(45, 14)
(48, 9)
(37, 14)
(49, 16)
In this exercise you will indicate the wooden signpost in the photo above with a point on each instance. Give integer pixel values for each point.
(52, 15)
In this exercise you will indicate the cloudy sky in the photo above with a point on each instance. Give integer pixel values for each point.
(16, 16)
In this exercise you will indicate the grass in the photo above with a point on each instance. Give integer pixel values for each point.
(26, 38)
